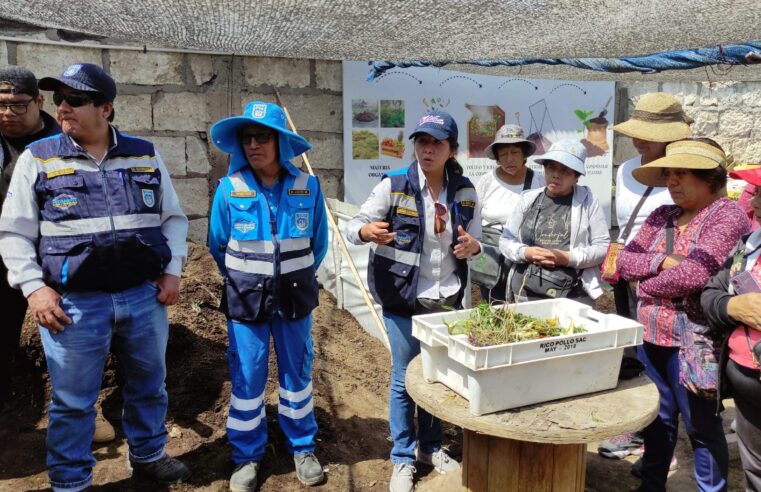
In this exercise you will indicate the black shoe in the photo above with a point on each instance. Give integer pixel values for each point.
(164, 470)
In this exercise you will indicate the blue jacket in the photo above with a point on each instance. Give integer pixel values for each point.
(269, 263)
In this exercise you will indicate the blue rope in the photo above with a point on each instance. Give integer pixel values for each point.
(733, 54)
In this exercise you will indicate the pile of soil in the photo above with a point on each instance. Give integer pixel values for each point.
(351, 377)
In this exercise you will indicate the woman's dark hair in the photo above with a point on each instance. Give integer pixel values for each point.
(716, 177)
(523, 146)
(452, 165)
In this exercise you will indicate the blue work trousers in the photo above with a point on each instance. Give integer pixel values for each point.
(404, 347)
(699, 414)
(132, 324)
(247, 355)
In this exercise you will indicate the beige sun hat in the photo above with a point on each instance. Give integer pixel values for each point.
(684, 154)
(657, 117)
(510, 134)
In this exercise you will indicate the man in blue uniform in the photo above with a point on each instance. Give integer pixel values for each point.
(268, 234)
(93, 235)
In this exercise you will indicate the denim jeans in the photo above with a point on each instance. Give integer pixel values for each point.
(134, 325)
(404, 347)
(248, 355)
(702, 424)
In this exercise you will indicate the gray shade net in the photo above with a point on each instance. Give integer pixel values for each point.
(413, 30)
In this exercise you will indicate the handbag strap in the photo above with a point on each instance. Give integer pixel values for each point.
(669, 235)
(630, 224)
(529, 178)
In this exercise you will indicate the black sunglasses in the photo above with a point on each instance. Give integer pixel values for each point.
(73, 100)
(260, 137)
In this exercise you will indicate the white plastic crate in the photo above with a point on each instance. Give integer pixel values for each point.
(506, 376)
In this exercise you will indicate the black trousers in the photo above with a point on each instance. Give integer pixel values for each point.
(746, 391)
(12, 310)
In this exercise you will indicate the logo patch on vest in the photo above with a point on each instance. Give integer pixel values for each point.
(142, 169)
(298, 192)
(302, 220)
(60, 172)
(403, 237)
(244, 226)
(468, 203)
(407, 211)
(65, 201)
(243, 194)
(148, 198)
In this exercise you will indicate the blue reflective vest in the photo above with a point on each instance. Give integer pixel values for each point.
(100, 228)
(269, 260)
(394, 268)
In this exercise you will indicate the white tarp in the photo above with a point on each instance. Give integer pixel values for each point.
(380, 115)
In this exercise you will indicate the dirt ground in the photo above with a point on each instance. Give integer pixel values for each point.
(351, 375)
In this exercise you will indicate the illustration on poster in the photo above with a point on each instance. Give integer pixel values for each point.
(384, 113)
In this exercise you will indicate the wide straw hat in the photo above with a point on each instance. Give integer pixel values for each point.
(510, 135)
(684, 154)
(749, 172)
(657, 117)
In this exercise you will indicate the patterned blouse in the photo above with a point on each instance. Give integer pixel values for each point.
(669, 300)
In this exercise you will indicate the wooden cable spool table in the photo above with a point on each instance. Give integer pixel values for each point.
(539, 447)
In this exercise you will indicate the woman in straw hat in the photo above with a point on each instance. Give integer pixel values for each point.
(732, 304)
(499, 189)
(672, 257)
(656, 121)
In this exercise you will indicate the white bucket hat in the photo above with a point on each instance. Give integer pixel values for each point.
(510, 135)
(570, 153)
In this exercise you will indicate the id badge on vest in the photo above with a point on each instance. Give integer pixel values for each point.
(245, 215)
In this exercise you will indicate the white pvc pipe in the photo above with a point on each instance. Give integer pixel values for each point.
(143, 48)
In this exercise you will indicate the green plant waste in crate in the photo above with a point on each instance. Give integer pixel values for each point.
(488, 326)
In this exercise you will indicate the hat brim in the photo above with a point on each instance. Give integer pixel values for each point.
(568, 160)
(52, 83)
(651, 174)
(749, 174)
(654, 132)
(531, 146)
(224, 134)
(435, 133)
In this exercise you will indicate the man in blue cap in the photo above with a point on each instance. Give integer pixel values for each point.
(22, 121)
(268, 234)
(92, 233)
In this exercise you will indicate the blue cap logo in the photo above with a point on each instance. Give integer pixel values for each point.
(72, 70)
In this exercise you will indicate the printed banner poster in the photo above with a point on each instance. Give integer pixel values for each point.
(380, 115)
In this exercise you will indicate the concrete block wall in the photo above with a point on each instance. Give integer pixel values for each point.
(172, 99)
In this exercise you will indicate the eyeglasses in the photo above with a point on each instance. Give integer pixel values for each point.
(73, 100)
(259, 137)
(17, 108)
(440, 219)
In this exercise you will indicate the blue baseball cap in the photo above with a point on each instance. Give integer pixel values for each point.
(224, 133)
(85, 77)
(569, 152)
(438, 124)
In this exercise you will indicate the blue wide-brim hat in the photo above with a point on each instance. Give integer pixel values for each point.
(224, 133)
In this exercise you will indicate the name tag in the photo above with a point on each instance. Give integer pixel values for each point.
(243, 194)
(468, 203)
(143, 169)
(407, 211)
(61, 172)
(297, 192)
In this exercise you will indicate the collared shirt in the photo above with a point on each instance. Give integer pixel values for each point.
(438, 266)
